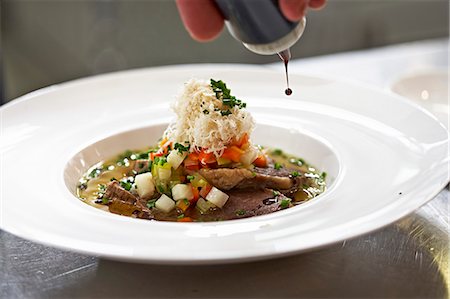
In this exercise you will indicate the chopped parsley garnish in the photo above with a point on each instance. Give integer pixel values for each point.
(253, 174)
(113, 179)
(151, 203)
(223, 93)
(240, 212)
(95, 172)
(180, 216)
(295, 174)
(285, 203)
(186, 201)
(190, 177)
(323, 175)
(82, 186)
(278, 166)
(101, 187)
(105, 200)
(126, 185)
(276, 193)
(181, 148)
(160, 161)
(161, 189)
(277, 152)
(225, 112)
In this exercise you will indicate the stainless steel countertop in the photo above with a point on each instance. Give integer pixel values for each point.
(408, 259)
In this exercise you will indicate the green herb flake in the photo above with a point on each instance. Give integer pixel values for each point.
(190, 177)
(323, 175)
(186, 201)
(223, 93)
(161, 189)
(180, 216)
(126, 185)
(105, 200)
(240, 212)
(151, 203)
(253, 174)
(101, 187)
(277, 152)
(278, 166)
(285, 203)
(95, 172)
(295, 174)
(181, 148)
(225, 112)
(276, 193)
(160, 161)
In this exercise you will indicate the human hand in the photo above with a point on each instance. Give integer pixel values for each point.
(204, 21)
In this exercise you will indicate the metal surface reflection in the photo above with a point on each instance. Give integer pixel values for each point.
(408, 259)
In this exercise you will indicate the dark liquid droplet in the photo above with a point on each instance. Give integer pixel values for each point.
(286, 56)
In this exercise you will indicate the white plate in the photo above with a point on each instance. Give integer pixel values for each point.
(385, 158)
(429, 89)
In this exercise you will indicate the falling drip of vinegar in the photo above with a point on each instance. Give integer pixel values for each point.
(286, 56)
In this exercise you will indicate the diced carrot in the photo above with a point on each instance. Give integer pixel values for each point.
(205, 190)
(206, 158)
(190, 162)
(232, 153)
(260, 161)
(157, 154)
(183, 204)
(192, 167)
(185, 219)
(196, 194)
(162, 141)
(193, 156)
(242, 141)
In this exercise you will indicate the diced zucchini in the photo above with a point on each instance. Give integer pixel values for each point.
(198, 181)
(217, 197)
(175, 158)
(145, 187)
(165, 204)
(164, 174)
(204, 206)
(223, 161)
(182, 191)
(249, 156)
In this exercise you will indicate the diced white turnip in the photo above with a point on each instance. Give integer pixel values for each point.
(217, 197)
(182, 191)
(175, 158)
(165, 203)
(144, 185)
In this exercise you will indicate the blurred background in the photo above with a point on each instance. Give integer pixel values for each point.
(44, 42)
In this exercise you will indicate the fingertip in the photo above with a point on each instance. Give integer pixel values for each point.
(293, 10)
(201, 18)
(317, 4)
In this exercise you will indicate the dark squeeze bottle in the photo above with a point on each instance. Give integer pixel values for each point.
(262, 28)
